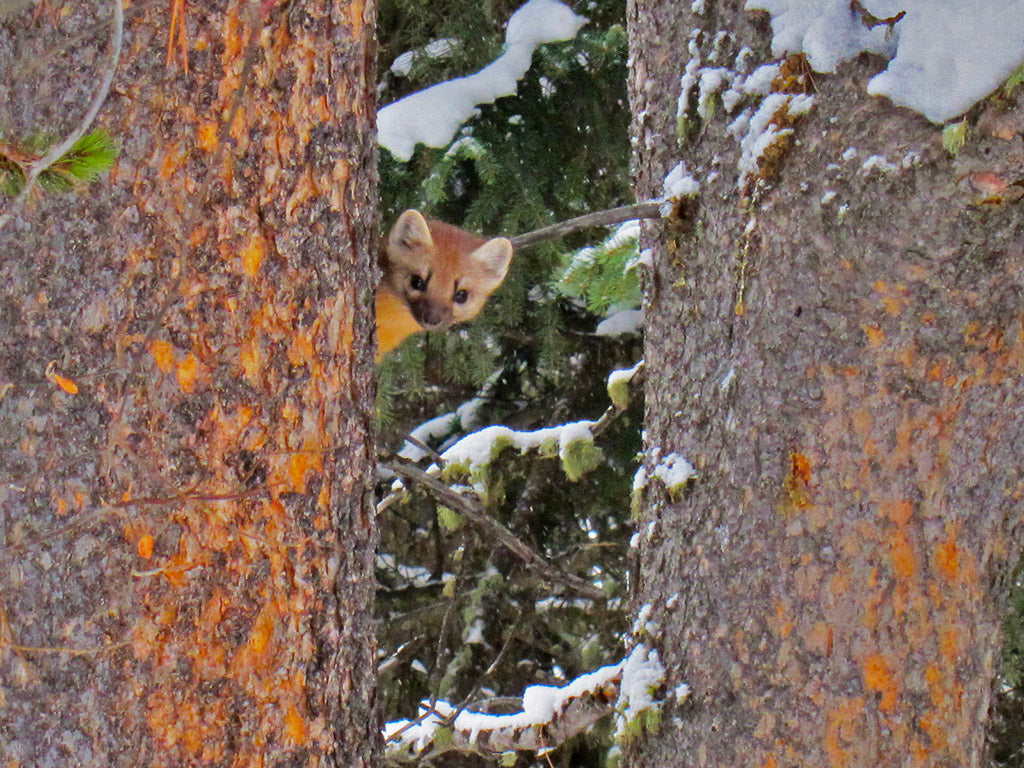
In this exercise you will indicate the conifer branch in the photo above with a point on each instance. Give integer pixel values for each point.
(33, 171)
(472, 511)
(573, 716)
(651, 210)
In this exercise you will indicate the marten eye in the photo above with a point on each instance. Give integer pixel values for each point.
(461, 296)
(417, 283)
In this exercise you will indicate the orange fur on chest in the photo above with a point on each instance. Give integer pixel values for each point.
(395, 322)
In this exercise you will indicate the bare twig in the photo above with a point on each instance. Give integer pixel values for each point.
(62, 649)
(472, 511)
(427, 450)
(57, 152)
(595, 219)
(871, 21)
(469, 698)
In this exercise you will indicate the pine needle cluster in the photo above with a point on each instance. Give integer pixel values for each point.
(87, 160)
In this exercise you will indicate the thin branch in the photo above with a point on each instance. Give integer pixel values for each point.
(62, 649)
(427, 450)
(57, 152)
(469, 698)
(871, 21)
(606, 218)
(475, 513)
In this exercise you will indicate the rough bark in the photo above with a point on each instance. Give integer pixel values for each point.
(847, 383)
(187, 541)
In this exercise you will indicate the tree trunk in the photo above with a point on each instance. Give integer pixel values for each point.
(838, 352)
(185, 393)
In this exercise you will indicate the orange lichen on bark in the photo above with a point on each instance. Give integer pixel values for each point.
(206, 135)
(295, 726)
(306, 189)
(796, 485)
(250, 356)
(899, 511)
(947, 556)
(782, 623)
(262, 634)
(820, 639)
(190, 555)
(301, 350)
(172, 162)
(337, 184)
(935, 730)
(875, 335)
(842, 732)
(356, 21)
(904, 560)
(862, 421)
(163, 354)
(879, 677)
(188, 370)
(299, 466)
(252, 255)
(894, 297)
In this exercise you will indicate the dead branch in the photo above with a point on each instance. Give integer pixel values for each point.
(475, 513)
(871, 21)
(595, 219)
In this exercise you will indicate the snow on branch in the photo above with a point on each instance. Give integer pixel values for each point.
(619, 382)
(945, 56)
(433, 115)
(550, 715)
(572, 442)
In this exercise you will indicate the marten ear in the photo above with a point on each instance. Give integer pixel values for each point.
(493, 257)
(410, 233)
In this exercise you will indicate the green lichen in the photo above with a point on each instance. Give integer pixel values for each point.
(636, 502)
(449, 520)
(954, 136)
(618, 392)
(444, 737)
(1015, 79)
(579, 457)
(548, 448)
(644, 722)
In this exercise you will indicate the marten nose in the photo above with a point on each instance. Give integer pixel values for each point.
(430, 314)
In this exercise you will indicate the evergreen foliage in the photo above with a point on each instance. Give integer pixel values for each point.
(462, 618)
(604, 276)
(88, 159)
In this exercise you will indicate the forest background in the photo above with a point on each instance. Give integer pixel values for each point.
(461, 618)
